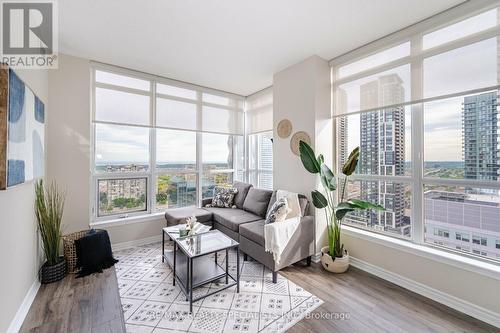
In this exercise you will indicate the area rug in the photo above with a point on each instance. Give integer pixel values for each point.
(151, 303)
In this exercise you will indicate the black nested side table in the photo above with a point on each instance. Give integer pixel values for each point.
(192, 267)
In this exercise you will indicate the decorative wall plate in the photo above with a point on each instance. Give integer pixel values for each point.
(284, 128)
(295, 140)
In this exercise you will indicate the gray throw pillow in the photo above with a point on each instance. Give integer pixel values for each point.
(278, 211)
(257, 201)
(239, 198)
(223, 197)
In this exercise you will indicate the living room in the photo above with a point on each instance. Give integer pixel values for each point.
(250, 166)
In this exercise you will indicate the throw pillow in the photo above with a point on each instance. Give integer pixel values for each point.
(239, 198)
(223, 197)
(257, 201)
(293, 203)
(278, 211)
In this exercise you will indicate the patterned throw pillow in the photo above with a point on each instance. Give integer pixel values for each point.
(278, 211)
(223, 197)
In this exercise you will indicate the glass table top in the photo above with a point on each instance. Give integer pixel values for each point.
(173, 231)
(204, 243)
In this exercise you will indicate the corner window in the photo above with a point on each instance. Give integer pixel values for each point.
(161, 148)
(425, 115)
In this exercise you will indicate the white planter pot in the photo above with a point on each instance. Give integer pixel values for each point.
(339, 265)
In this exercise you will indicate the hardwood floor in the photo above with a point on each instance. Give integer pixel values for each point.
(90, 304)
(373, 305)
(368, 304)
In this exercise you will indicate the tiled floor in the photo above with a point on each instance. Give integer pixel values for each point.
(152, 304)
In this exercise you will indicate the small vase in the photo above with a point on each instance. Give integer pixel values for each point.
(334, 265)
(53, 273)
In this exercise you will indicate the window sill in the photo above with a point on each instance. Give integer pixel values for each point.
(476, 266)
(128, 220)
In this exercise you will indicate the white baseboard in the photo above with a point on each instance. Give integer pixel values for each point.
(17, 321)
(453, 302)
(137, 242)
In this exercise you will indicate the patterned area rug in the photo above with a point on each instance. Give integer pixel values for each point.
(152, 304)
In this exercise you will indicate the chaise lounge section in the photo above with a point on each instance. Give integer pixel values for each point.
(245, 223)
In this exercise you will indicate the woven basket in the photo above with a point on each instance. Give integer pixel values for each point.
(70, 249)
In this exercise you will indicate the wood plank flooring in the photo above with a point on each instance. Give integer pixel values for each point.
(367, 304)
(373, 305)
(89, 304)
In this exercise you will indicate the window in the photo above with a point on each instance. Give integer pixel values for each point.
(442, 233)
(219, 152)
(479, 240)
(120, 148)
(425, 115)
(497, 245)
(117, 196)
(461, 236)
(461, 29)
(159, 145)
(377, 59)
(259, 119)
(482, 253)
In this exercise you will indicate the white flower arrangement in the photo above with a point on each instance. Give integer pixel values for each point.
(191, 222)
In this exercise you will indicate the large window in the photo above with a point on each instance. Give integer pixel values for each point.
(259, 115)
(160, 144)
(425, 115)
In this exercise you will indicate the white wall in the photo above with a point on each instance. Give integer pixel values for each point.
(68, 140)
(302, 95)
(20, 253)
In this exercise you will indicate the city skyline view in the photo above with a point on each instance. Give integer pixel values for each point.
(461, 141)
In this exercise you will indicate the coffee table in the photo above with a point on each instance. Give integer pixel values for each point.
(192, 267)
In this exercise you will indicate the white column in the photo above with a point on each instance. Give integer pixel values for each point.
(302, 95)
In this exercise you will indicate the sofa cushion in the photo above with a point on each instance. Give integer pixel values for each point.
(232, 218)
(257, 201)
(240, 196)
(179, 215)
(254, 231)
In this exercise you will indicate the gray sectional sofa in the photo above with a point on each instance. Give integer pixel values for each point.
(245, 224)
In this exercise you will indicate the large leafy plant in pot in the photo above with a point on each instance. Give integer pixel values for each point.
(333, 257)
(49, 206)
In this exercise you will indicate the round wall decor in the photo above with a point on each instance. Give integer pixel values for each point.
(295, 140)
(284, 128)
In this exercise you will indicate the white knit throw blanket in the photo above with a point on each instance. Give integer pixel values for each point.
(278, 234)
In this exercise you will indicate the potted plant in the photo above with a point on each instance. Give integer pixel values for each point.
(49, 205)
(334, 257)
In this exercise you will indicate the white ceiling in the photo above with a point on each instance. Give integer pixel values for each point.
(232, 45)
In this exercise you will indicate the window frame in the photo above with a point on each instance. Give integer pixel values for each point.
(417, 179)
(153, 171)
(258, 171)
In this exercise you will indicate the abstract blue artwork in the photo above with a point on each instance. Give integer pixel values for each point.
(25, 133)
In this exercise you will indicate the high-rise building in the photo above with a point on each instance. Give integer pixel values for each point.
(266, 160)
(480, 137)
(382, 150)
(342, 127)
(463, 221)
